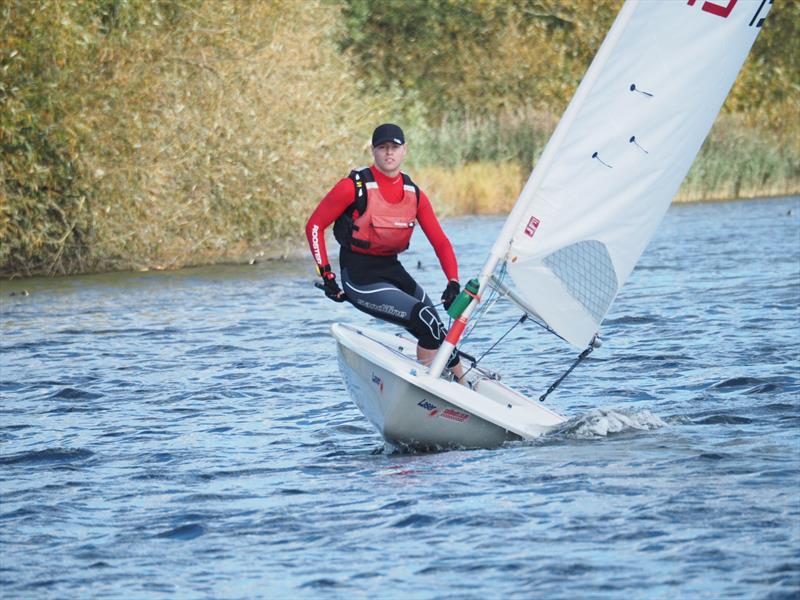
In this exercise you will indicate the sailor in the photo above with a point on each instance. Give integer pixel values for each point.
(374, 211)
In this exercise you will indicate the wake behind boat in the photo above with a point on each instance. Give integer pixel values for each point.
(591, 206)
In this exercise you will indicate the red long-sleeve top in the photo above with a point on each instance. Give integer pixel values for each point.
(342, 195)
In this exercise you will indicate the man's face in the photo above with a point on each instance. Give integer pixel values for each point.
(388, 157)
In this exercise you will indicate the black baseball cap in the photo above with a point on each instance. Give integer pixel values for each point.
(388, 132)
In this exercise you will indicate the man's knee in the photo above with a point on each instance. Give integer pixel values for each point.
(429, 330)
(426, 326)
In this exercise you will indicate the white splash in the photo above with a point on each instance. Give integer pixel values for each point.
(602, 422)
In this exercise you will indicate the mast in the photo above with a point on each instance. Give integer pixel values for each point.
(500, 247)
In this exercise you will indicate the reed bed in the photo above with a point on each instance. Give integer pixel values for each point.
(737, 161)
(175, 133)
(476, 188)
(481, 165)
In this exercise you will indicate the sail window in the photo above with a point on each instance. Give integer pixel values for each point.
(586, 270)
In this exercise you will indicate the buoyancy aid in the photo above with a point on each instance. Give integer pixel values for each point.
(371, 224)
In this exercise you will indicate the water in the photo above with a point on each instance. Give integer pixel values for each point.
(187, 434)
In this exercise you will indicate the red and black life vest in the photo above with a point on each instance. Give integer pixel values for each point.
(371, 224)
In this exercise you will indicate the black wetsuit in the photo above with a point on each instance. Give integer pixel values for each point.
(381, 287)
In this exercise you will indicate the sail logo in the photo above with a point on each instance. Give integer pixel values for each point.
(531, 227)
(720, 9)
(716, 9)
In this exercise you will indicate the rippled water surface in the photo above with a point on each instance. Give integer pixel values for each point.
(187, 434)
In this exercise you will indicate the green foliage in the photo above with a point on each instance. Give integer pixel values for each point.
(49, 63)
(477, 56)
(767, 90)
(735, 163)
(45, 223)
(160, 133)
(509, 136)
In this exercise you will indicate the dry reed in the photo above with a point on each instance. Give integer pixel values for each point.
(192, 133)
(482, 188)
(216, 147)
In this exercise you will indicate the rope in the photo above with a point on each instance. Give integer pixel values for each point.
(482, 356)
(558, 381)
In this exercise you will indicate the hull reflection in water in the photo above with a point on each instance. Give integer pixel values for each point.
(414, 411)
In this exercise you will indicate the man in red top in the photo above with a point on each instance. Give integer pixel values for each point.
(374, 210)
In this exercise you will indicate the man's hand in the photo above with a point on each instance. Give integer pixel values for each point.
(450, 293)
(329, 285)
(332, 289)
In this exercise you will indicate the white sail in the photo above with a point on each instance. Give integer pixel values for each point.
(619, 154)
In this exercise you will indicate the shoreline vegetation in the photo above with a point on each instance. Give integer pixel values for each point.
(733, 163)
(158, 134)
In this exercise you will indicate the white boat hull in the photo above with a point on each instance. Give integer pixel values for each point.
(413, 410)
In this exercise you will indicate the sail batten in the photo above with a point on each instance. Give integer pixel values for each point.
(619, 155)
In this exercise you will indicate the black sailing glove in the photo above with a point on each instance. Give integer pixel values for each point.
(450, 292)
(329, 285)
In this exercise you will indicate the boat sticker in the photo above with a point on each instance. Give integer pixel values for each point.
(377, 381)
(531, 227)
(431, 408)
(454, 415)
